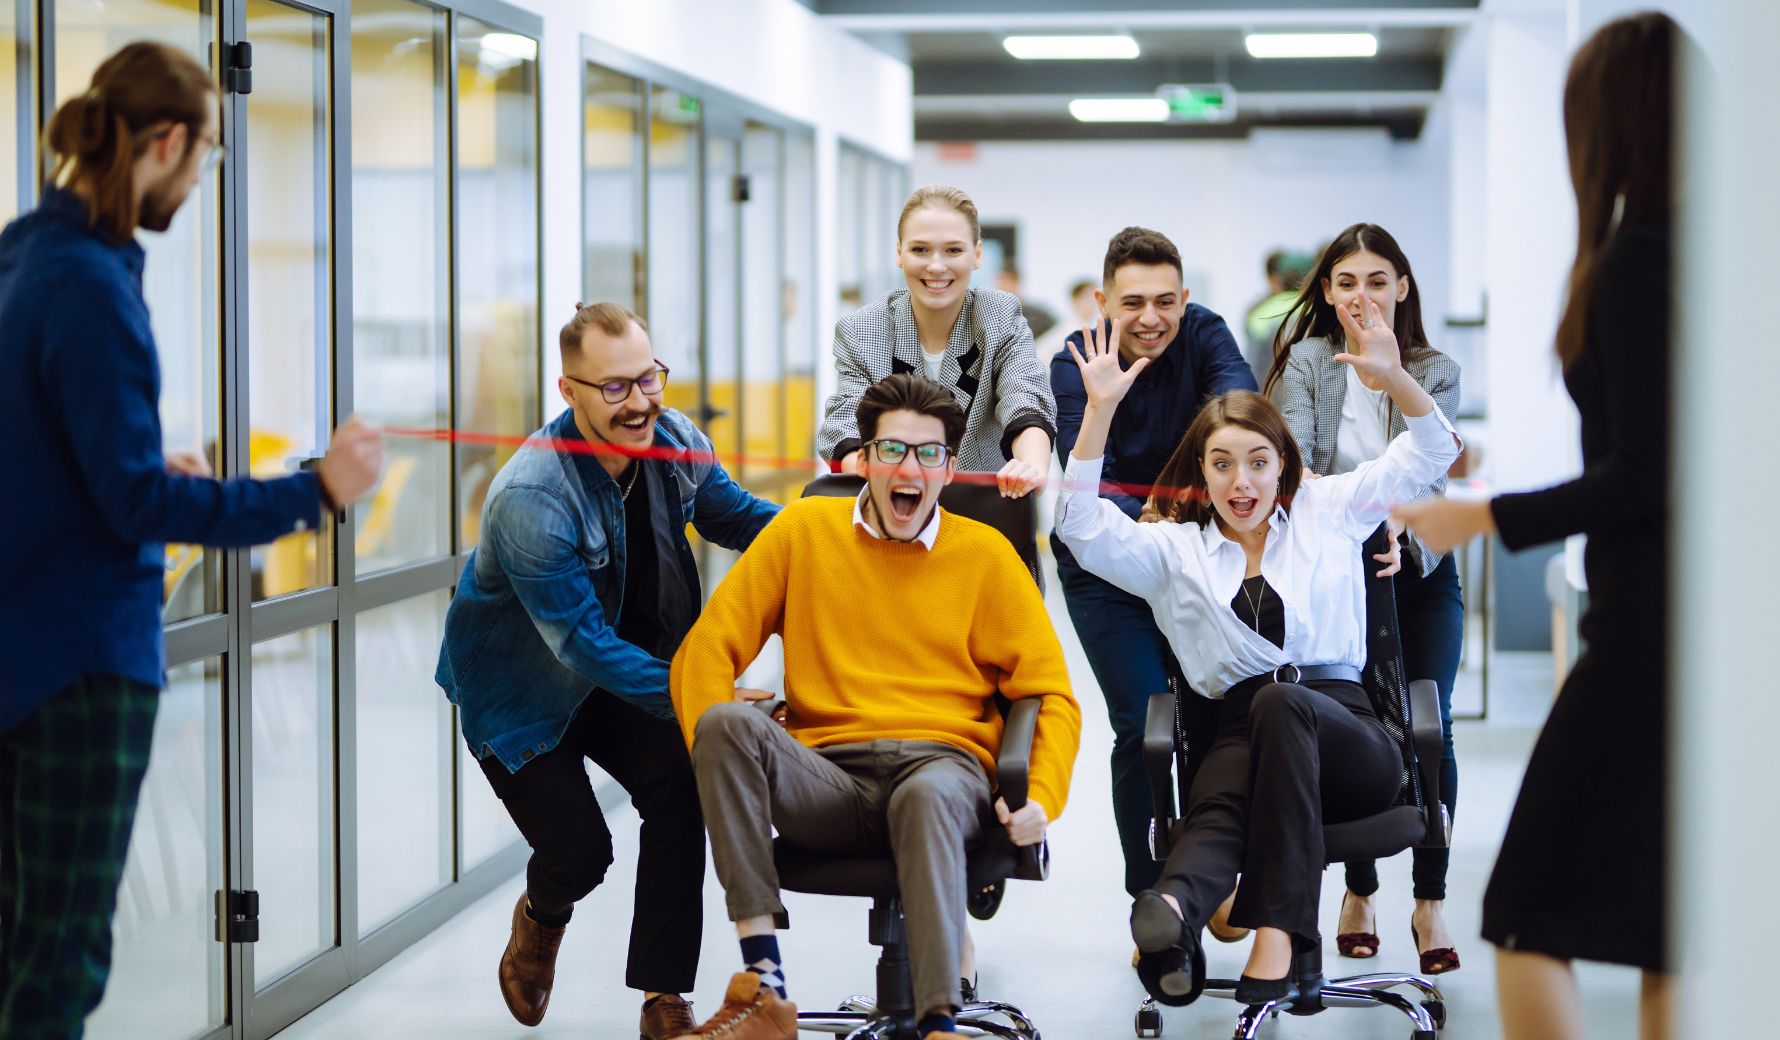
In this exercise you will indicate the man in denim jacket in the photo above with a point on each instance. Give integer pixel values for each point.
(556, 649)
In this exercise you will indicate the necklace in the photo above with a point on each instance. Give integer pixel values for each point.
(636, 467)
(1253, 606)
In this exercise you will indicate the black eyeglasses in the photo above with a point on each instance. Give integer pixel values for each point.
(616, 391)
(891, 453)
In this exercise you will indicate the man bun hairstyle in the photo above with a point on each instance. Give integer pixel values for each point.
(613, 319)
(96, 137)
(907, 392)
(1140, 245)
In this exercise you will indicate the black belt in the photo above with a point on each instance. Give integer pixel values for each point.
(1293, 673)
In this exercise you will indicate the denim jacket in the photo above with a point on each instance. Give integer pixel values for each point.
(530, 632)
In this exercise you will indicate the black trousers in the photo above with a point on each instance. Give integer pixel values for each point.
(552, 802)
(1284, 761)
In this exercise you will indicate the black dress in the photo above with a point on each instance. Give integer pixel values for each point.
(1581, 872)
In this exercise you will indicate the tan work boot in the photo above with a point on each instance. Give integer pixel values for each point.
(528, 967)
(750, 1011)
(666, 1016)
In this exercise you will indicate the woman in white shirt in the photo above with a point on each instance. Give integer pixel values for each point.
(1257, 577)
(1340, 423)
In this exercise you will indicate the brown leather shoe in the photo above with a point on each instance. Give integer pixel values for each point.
(750, 1011)
(528, 967)
(666, 1016)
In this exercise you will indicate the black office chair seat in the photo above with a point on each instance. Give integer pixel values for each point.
(994, 859)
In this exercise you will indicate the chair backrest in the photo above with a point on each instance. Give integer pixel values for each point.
(1383, 677)
(1015, 518)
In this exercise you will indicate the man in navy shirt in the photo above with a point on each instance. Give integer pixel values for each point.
(81, 664)
(1193, 357)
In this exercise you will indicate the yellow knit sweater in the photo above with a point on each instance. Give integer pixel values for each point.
(888, 641)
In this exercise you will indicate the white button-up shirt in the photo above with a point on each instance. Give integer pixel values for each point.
(1189, 574)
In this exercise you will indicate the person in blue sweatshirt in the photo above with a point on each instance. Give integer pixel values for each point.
(81, 662)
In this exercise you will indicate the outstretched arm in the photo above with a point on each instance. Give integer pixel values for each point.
(747, 608)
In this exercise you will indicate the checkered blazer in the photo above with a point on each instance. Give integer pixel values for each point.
(1310, 393)
(991, 367)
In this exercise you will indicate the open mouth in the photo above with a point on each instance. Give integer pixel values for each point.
(1147, 337)
(638, 423)
(937, 285)
(1243, 508)
(904, 500)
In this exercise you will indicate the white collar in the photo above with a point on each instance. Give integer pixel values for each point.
(928, 534)
(1214, 535)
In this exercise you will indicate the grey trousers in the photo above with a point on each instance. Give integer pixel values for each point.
(921, 801)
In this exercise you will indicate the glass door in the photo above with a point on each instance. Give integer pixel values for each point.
(763, 286)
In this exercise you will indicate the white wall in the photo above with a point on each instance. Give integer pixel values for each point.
(1226, 204)
(774, 53)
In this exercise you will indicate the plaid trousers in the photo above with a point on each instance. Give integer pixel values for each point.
(69, 777)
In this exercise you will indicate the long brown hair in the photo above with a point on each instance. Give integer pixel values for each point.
(1313, 315)
(96, 137)
(1619, 122)
(1181, 495)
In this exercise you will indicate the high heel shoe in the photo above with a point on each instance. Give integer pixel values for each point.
(1437, 961)
(1170, 962)
(1348, 942)
(1251, 991)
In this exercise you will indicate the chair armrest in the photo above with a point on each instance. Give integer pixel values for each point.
(1012, 774)
(1158, 765)
(1429, 738)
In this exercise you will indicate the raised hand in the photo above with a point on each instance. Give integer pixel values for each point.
(1371, 346)
(1104, 381)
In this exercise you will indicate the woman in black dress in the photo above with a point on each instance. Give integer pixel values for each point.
(1581, 872)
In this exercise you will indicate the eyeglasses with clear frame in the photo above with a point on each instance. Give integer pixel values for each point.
(932, 455)
(617, 391)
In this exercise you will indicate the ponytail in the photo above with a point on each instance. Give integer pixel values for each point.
(97, 136)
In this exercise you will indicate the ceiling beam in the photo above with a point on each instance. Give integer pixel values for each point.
(1084, 78)
(1004, 15)
(1402, 126)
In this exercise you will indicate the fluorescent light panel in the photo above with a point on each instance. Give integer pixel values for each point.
(1119, 110)
(1070, 48)
(1312, 45)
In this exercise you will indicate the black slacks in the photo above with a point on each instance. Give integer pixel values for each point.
(1284, 761)
(552, 802)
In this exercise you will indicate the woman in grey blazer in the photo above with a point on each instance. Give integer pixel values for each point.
(973, 341)
(1339, 422)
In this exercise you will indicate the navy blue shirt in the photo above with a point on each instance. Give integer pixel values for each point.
(1201, 362)
(90, 500)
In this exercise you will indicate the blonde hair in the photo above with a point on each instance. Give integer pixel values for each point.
(613, 319)
(941, 196)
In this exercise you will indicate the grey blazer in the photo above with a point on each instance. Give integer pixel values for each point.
(991, 367)
(1311, 391)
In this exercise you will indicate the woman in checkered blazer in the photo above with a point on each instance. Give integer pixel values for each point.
(975, 342)
(1339, 423)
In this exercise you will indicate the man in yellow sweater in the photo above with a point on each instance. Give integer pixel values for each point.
(900, 622)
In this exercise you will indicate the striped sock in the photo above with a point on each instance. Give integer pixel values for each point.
(760, 955)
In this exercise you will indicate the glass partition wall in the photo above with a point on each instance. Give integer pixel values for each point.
(699, 212)
(303, 756)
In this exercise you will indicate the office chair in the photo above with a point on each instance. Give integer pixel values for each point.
(1180, 721)
(890, 1014)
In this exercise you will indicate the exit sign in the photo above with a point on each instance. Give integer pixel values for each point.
(1199, 103)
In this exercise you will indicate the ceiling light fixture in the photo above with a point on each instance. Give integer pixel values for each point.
(1119, 110)
(1312, 45)
(1071, 48)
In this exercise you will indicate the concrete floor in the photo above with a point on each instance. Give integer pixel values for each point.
(1060, 949)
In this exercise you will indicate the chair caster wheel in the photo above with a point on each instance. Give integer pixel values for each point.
(1149, 1020)
(1436, 1010)
(1424, 1034)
